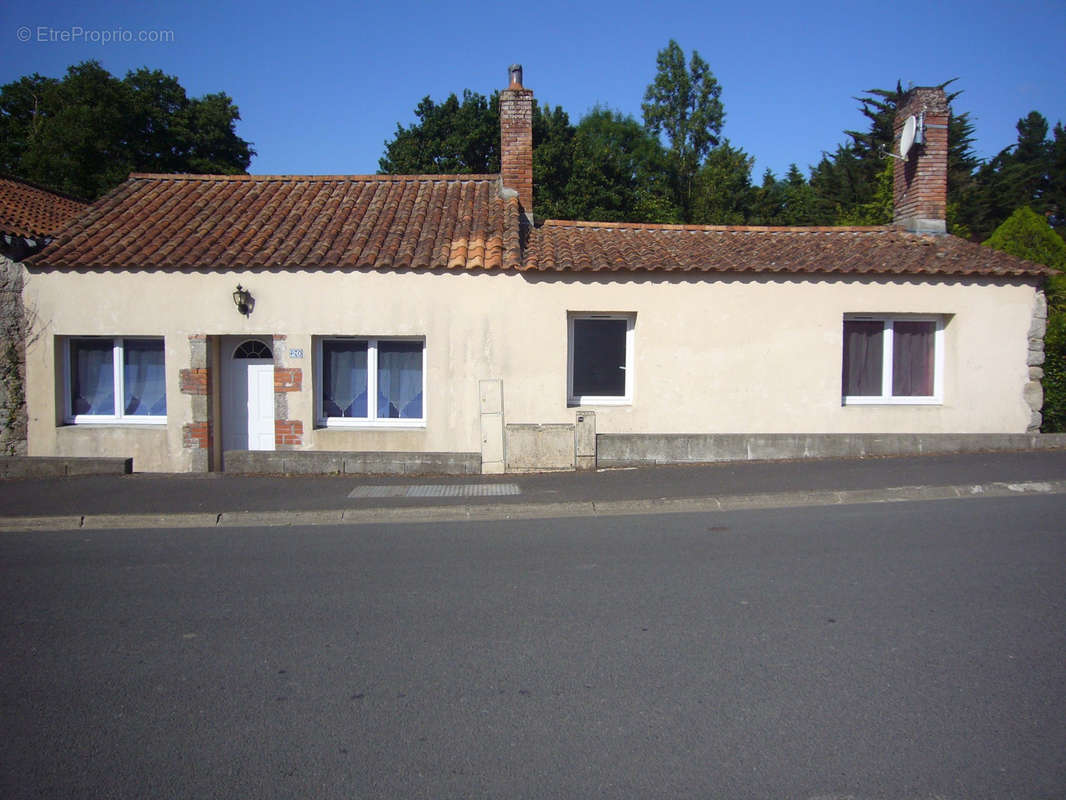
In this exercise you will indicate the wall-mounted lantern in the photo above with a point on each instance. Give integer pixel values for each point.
(243, 299)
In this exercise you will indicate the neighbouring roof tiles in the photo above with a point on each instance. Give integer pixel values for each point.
(31, 212)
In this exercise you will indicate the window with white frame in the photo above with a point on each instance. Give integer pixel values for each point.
(600, 359)
(370, 381)
(892, 359)
(114, 379)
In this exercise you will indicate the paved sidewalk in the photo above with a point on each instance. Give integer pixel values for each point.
(146, 500)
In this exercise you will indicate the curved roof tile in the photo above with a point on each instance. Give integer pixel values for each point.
(309, 221)
(458, 222)
(563, 246)
(31, 212)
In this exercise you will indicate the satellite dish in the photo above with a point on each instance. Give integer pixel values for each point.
(906, 139)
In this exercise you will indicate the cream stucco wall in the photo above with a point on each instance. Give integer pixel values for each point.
(712, 354)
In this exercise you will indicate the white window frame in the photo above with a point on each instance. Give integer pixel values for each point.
(600, 400)
(371, 420)
(117, 362)
(886, 397)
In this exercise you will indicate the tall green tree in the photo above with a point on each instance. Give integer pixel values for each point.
(1031, 172)
(553, 160)
(878, 210)
(723, 194)
(453, 137)
(683, 104)
(1056, 190)
(463, 137)
(849, 183)
(789, 201)
(840, 183)
(84, 133)
(618, 172)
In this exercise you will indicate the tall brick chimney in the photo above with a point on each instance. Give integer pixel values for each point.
(516, 140)
(920, 183)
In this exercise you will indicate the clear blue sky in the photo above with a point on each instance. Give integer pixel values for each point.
(322, 85)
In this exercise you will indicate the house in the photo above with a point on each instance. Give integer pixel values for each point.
(427, 322)
(29, 217)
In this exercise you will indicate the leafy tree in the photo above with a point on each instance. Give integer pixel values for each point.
(683, 104)
(452, 137)
(1027, 234)
(1054, 380)
(212, 147)
(553, 160)
(83, 134)
(463, 137)
(617, 173)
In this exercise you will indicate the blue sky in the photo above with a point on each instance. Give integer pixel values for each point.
(321, 86)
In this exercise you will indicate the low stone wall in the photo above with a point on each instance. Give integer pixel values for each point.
(618, 450)
(320, 462)
(60, 467)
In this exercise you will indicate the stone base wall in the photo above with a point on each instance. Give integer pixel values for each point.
(623, 450)
(320, 462)
(58, 467)
(1034, 389)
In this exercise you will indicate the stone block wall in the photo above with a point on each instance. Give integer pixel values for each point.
(13, 330)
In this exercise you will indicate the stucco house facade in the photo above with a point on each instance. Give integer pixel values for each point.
(192, 322)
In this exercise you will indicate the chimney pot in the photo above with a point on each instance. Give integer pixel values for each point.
(515, 76)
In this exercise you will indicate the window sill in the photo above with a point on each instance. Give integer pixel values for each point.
(892, 401)
(589, 402)
(370, 425)
(122, 422)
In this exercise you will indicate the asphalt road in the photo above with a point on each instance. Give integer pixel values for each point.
(910, 650)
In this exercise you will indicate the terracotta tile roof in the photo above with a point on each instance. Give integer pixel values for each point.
(245, 221)
(601, 246)
(34, 213)
(457, 222)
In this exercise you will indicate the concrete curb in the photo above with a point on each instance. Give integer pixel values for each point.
(496, 512)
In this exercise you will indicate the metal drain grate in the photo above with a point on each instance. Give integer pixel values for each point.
(438, 490)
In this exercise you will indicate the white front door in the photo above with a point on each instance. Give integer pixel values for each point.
(247, 394)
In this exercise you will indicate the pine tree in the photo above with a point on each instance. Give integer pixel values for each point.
(849, 183)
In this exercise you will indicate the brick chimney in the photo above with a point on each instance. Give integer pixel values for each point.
(920, 183)
(516, 140)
